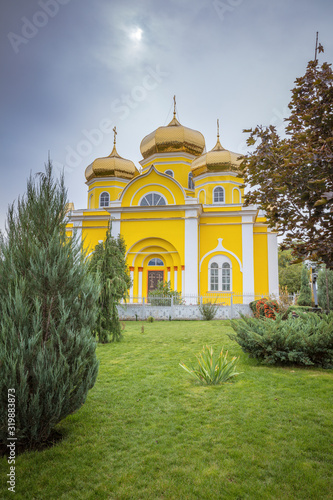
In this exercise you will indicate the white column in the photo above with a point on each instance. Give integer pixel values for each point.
(175, 277)
(132, 278)
(77, 230)
(168, 269)
(273, 267)
(191, 253)
(115, 221)
(183, 280)
(248, 263)
(140, 283)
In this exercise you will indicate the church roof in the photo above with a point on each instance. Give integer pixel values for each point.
(216, 160)
(172, 138)
(111, 166)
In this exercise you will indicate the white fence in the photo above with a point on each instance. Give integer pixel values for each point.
(228, 306)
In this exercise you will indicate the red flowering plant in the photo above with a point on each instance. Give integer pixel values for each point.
(266, 308)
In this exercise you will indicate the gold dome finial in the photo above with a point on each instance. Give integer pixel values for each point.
(174, 106)
(112, 165)
(218, 145)
(114, 151)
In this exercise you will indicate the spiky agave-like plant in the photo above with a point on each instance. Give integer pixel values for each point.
(212, 369)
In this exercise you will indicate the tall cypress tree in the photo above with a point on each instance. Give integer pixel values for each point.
(47, 312)
(305, 297)
(109, 263)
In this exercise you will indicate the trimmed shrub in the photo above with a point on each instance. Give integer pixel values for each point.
(163, 295)
(305, 340)
(150, 319)
(208, 310)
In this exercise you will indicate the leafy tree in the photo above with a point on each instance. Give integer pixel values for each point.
(325, 289)
(305, 297)
(47, 312)
(292, 178)
(109, 263)
(289, 273)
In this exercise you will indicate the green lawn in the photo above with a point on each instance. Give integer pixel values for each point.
(148, 431)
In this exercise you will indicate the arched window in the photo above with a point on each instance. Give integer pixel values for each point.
(220, 274)
(104, 199)
(152, 199)
(169, 172)
(214, 276)
(218, 195)
(226, 276)
(155, 262)
(190, 181)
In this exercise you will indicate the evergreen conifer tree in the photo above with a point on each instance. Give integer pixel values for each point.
(305, 297)
(47, 312)
(325, 289)
(109, 263)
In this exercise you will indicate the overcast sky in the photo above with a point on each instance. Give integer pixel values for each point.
(73, 69)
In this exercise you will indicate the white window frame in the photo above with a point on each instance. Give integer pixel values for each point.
(155, 259)
(153, 193)
(100, 199)
(219, 259)
(171, 173)
(217, 190)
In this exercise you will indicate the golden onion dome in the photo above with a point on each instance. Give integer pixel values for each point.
(216, 160)
(172, 138)
(111, 166)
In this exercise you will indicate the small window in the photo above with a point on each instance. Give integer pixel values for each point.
(169, 172)
(214, 276)
(152, 199)
(104, 199)
(190, 181)
(218, 195)
(155, 262)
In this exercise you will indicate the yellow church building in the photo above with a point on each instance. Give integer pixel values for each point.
(182, 218)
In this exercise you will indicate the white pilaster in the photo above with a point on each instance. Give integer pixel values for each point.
(183, 279)
(190, 286)
(140, 283)
(132, 279)
(175, 278)
(77, 230)
(248, 263)
(115, 222)
(168, 269)
(273, 267)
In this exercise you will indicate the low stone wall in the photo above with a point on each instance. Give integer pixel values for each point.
(178, 312)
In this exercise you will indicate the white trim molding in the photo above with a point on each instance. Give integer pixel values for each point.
(220, 248)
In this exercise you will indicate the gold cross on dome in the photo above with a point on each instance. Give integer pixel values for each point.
(174, 106)
(114, 135)
(218, 128)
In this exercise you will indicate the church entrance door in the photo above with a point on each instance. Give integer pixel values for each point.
(154, 277)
